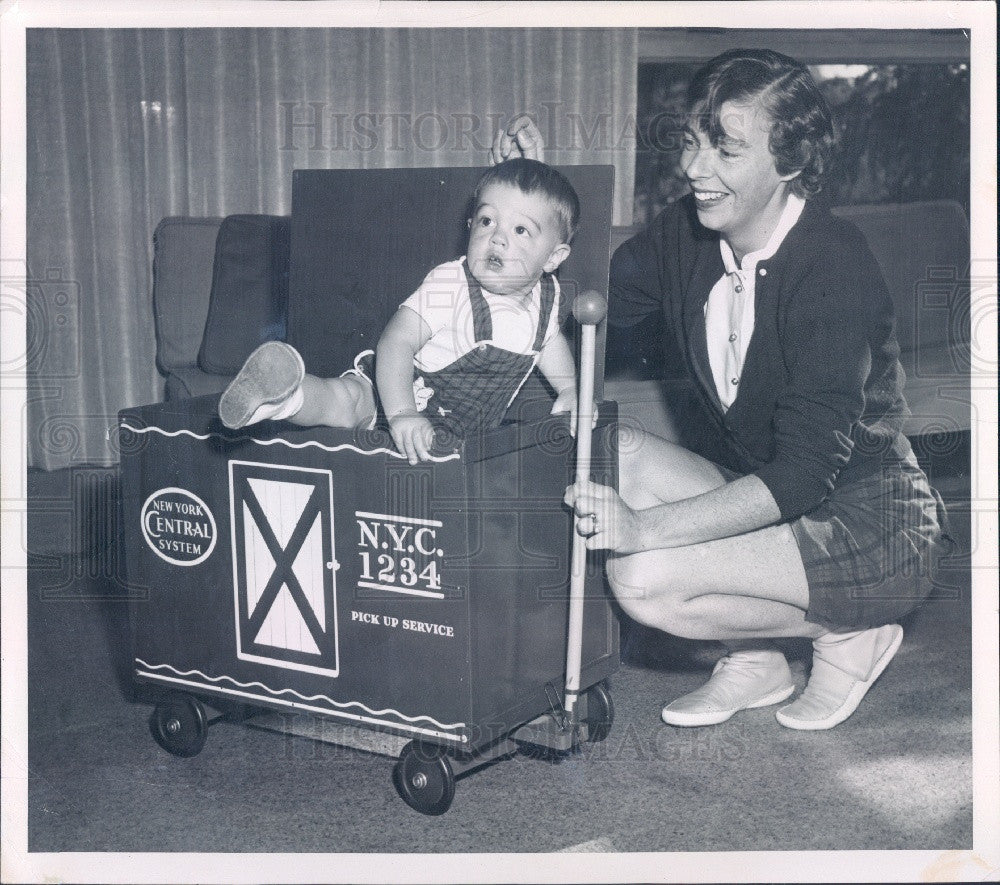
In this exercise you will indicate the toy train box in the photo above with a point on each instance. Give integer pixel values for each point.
(317, 570)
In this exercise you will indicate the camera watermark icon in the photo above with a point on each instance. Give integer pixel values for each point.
(72, 538)
(63, 436)
(956, 312)
(49, 306)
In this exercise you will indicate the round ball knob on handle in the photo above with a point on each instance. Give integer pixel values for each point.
(590, 308)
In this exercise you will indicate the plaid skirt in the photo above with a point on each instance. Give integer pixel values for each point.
(871, 549)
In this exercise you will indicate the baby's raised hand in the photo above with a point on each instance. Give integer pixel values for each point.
(413, 435)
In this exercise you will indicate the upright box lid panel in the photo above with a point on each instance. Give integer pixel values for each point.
(298, 570)
(520, 545)
(364, 239)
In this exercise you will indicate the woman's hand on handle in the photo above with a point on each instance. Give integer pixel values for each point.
(519, 138)
(604, 519)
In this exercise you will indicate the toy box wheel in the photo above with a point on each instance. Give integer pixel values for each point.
(424, 778)
(600, 713)
(180, 725)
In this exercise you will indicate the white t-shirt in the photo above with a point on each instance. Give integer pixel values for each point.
(442, 301)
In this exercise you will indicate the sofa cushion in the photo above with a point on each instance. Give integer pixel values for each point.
(249, 292)
(923, 251)
(183, 253)
(186, 382)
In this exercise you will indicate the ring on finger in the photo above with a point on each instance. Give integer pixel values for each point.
(592, 528)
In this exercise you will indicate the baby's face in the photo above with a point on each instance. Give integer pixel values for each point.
(513, 238)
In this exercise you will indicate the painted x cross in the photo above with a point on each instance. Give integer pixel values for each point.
(284, 558)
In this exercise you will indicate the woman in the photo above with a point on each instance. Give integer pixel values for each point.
(800, 510)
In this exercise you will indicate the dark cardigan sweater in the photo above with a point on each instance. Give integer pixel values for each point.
(820, 400)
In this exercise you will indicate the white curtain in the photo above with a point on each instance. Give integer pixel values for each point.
(128, 126)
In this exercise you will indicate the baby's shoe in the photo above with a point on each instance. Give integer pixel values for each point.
(741, 680)
(268, 387)
(845, 666)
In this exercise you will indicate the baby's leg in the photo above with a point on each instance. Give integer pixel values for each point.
(273, 385)
(347, 401)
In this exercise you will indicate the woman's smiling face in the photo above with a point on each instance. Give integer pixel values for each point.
(737, 189)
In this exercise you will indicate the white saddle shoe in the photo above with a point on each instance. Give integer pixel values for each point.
(845, 666)
(268, 387)
(741, 680)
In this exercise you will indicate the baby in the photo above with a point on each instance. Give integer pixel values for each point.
(471, 334)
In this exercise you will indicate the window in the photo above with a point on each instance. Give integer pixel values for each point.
(900, 102)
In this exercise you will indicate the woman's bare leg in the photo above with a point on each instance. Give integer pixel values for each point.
(738, 590)
(751, 585)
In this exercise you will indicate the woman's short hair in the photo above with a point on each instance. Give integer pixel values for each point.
(801, 137)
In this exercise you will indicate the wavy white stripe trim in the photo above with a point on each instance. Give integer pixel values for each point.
(284, 442)
(298, 705)
(315, 697)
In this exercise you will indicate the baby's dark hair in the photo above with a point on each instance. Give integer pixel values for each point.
(801, 136)
(533, 177)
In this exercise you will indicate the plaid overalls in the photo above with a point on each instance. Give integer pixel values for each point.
(475, 391)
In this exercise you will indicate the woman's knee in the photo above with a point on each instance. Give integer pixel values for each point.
(646, 592)
(663, 611)
(652, 592)
(653, 471)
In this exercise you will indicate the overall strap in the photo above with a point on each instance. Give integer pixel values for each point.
(482, 320)
(548, 300)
